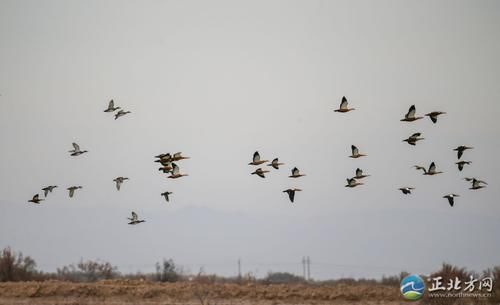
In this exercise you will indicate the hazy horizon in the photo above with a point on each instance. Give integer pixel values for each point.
(220, 80)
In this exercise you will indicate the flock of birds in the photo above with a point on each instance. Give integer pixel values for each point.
(168, 165)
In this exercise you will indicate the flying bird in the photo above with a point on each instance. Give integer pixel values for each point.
(410, 116)
(451, 198)
(36, 199)
(260, 172)
(460, 150)
(296, 173)
(178, 156)
(76, 150)
(165, 194)
(111, 107)
(352, 182)
(48, 189)
(121, 113)
(275, 163)
(359, 174)
(406, 190)
(476, 183)
(175, 172)
(355, 152)
(256, 159)
(72, 190)
(291, 193)
(343, 106)
(135, 219)
(414, 138)
(434, 115)
(430, 172)
(461, 164)
(119, 181)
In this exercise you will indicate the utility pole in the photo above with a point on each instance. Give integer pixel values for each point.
(239, 269)
(308, 268)
(304, 267)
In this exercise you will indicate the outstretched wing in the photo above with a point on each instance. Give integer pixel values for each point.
(134, 216)
(76, 146)
(71, 192)
(295, 171)
(359, 172)
(291, 195)
(256, 156)
(175, 169)
(450, 200)
(355, 150)
(343, 103)
(411, 112)
(432, 168)
(415, 135)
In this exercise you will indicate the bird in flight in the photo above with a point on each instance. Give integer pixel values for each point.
(275, 163)
(410, 116)
(352, 182)
(434, 115)
(76, 150)
(461, 164)
(48, 189)
(476, 183)
(355, 153)
(111, 107)
(175, 173)
(72, 190)
(134, 219)
(166, 194)
(344, 106)
(291, 193)
(260, 172)
(36, 199)
(121, 113)
(119, 181)
(430, 172)
(256, 159)
(406, 190)
(414, 138)
(451, 198)
(460, 150)
(296, 173)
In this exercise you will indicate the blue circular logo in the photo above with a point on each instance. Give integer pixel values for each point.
(412, 287)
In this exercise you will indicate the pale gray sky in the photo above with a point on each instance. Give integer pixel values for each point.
(218, 80)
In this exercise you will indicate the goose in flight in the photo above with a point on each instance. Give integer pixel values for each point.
(167, 168)
(275, 163)
(134, 219)
(296, 173)
(410, 116)
(165, 194)
(430, 172)
(175, 172)
(476, 183)
(119, 181)
(352, 182)
(76, 150)
(355, 152)
(414, 138)
(178, 156)
(344, 106)
(461, 164)
(256, 159)
(291, 193)
(460, 150)
(451, 198)
(260, 172)
(72, 190)
(48, 189)
(121, 113)
(434, 115)
(111, 107)
(406, 190)
(359, 174)
(36, 199)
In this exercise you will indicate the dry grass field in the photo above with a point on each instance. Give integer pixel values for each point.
(143, 292)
